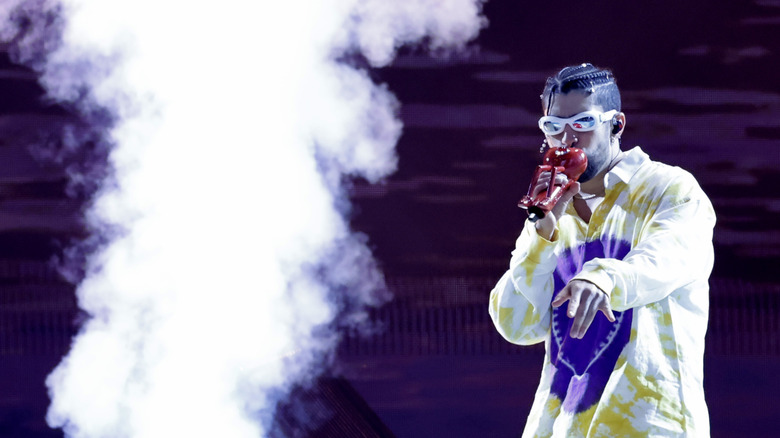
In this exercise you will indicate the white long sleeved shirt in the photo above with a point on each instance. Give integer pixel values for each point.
(648, 245)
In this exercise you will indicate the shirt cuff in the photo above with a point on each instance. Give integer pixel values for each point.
(539, 249)
(598, 276)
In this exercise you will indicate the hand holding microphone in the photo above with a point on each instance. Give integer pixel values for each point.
(554, 182)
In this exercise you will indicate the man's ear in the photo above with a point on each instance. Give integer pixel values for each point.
(618, 123)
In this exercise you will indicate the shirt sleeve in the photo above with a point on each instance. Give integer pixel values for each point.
(675, 249)
(520, 302)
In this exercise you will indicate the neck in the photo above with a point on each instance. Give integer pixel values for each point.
(595, 186)
(590, 189)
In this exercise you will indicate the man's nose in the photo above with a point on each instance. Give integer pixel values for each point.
(568, 137)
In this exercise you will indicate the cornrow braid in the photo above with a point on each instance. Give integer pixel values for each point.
(584, 77)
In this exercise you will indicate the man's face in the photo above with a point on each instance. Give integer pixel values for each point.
(595, 144)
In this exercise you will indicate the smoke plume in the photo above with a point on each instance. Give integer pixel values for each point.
(230, 268)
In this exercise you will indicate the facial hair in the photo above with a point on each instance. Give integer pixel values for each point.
(597, 160)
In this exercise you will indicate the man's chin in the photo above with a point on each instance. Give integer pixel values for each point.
(588, 175)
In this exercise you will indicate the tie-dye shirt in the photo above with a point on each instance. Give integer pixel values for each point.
(648, 245)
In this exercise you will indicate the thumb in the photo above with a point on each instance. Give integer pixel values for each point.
(566, 197)
(573, 189)
(561, 298)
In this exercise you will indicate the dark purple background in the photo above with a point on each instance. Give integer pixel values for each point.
(700, 90)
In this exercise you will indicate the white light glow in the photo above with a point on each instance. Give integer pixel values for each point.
(237, 125)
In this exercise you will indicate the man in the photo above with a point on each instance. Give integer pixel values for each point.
(613, 280)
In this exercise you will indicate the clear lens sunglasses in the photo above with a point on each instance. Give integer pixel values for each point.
(582, 122)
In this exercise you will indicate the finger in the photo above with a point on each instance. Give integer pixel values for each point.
(545, 176)
(562, 296)
(574, 302)
(561, 178)
(573, 189)
(584, 321)
(607, 310)
(582, 309)
(539, 188)
(543, 182)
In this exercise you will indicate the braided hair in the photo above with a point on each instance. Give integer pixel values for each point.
(584, 77)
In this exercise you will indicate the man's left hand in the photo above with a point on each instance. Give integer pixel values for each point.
(585, 300)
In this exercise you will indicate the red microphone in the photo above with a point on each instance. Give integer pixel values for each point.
(572, 162)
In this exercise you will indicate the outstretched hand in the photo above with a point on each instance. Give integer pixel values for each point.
(585, 300)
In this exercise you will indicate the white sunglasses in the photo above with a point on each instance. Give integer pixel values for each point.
(582, 122)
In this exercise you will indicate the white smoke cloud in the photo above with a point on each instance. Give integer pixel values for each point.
(236, 126)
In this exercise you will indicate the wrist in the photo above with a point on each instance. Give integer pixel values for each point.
(545, 229)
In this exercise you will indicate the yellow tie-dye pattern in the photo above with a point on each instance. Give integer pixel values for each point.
(664, 318)
(581, 422)
(653, 387)
(552, 406)
(509, 324)
(598, 218)
(641, 406)
(529, 275)
(531, 317)
(669, 346)
(506, 318)
(536, 252)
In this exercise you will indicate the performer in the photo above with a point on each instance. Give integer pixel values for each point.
(614, 280)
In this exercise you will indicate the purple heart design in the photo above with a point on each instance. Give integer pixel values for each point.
(583, 366)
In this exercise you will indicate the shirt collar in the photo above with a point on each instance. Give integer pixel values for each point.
(626, 168)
